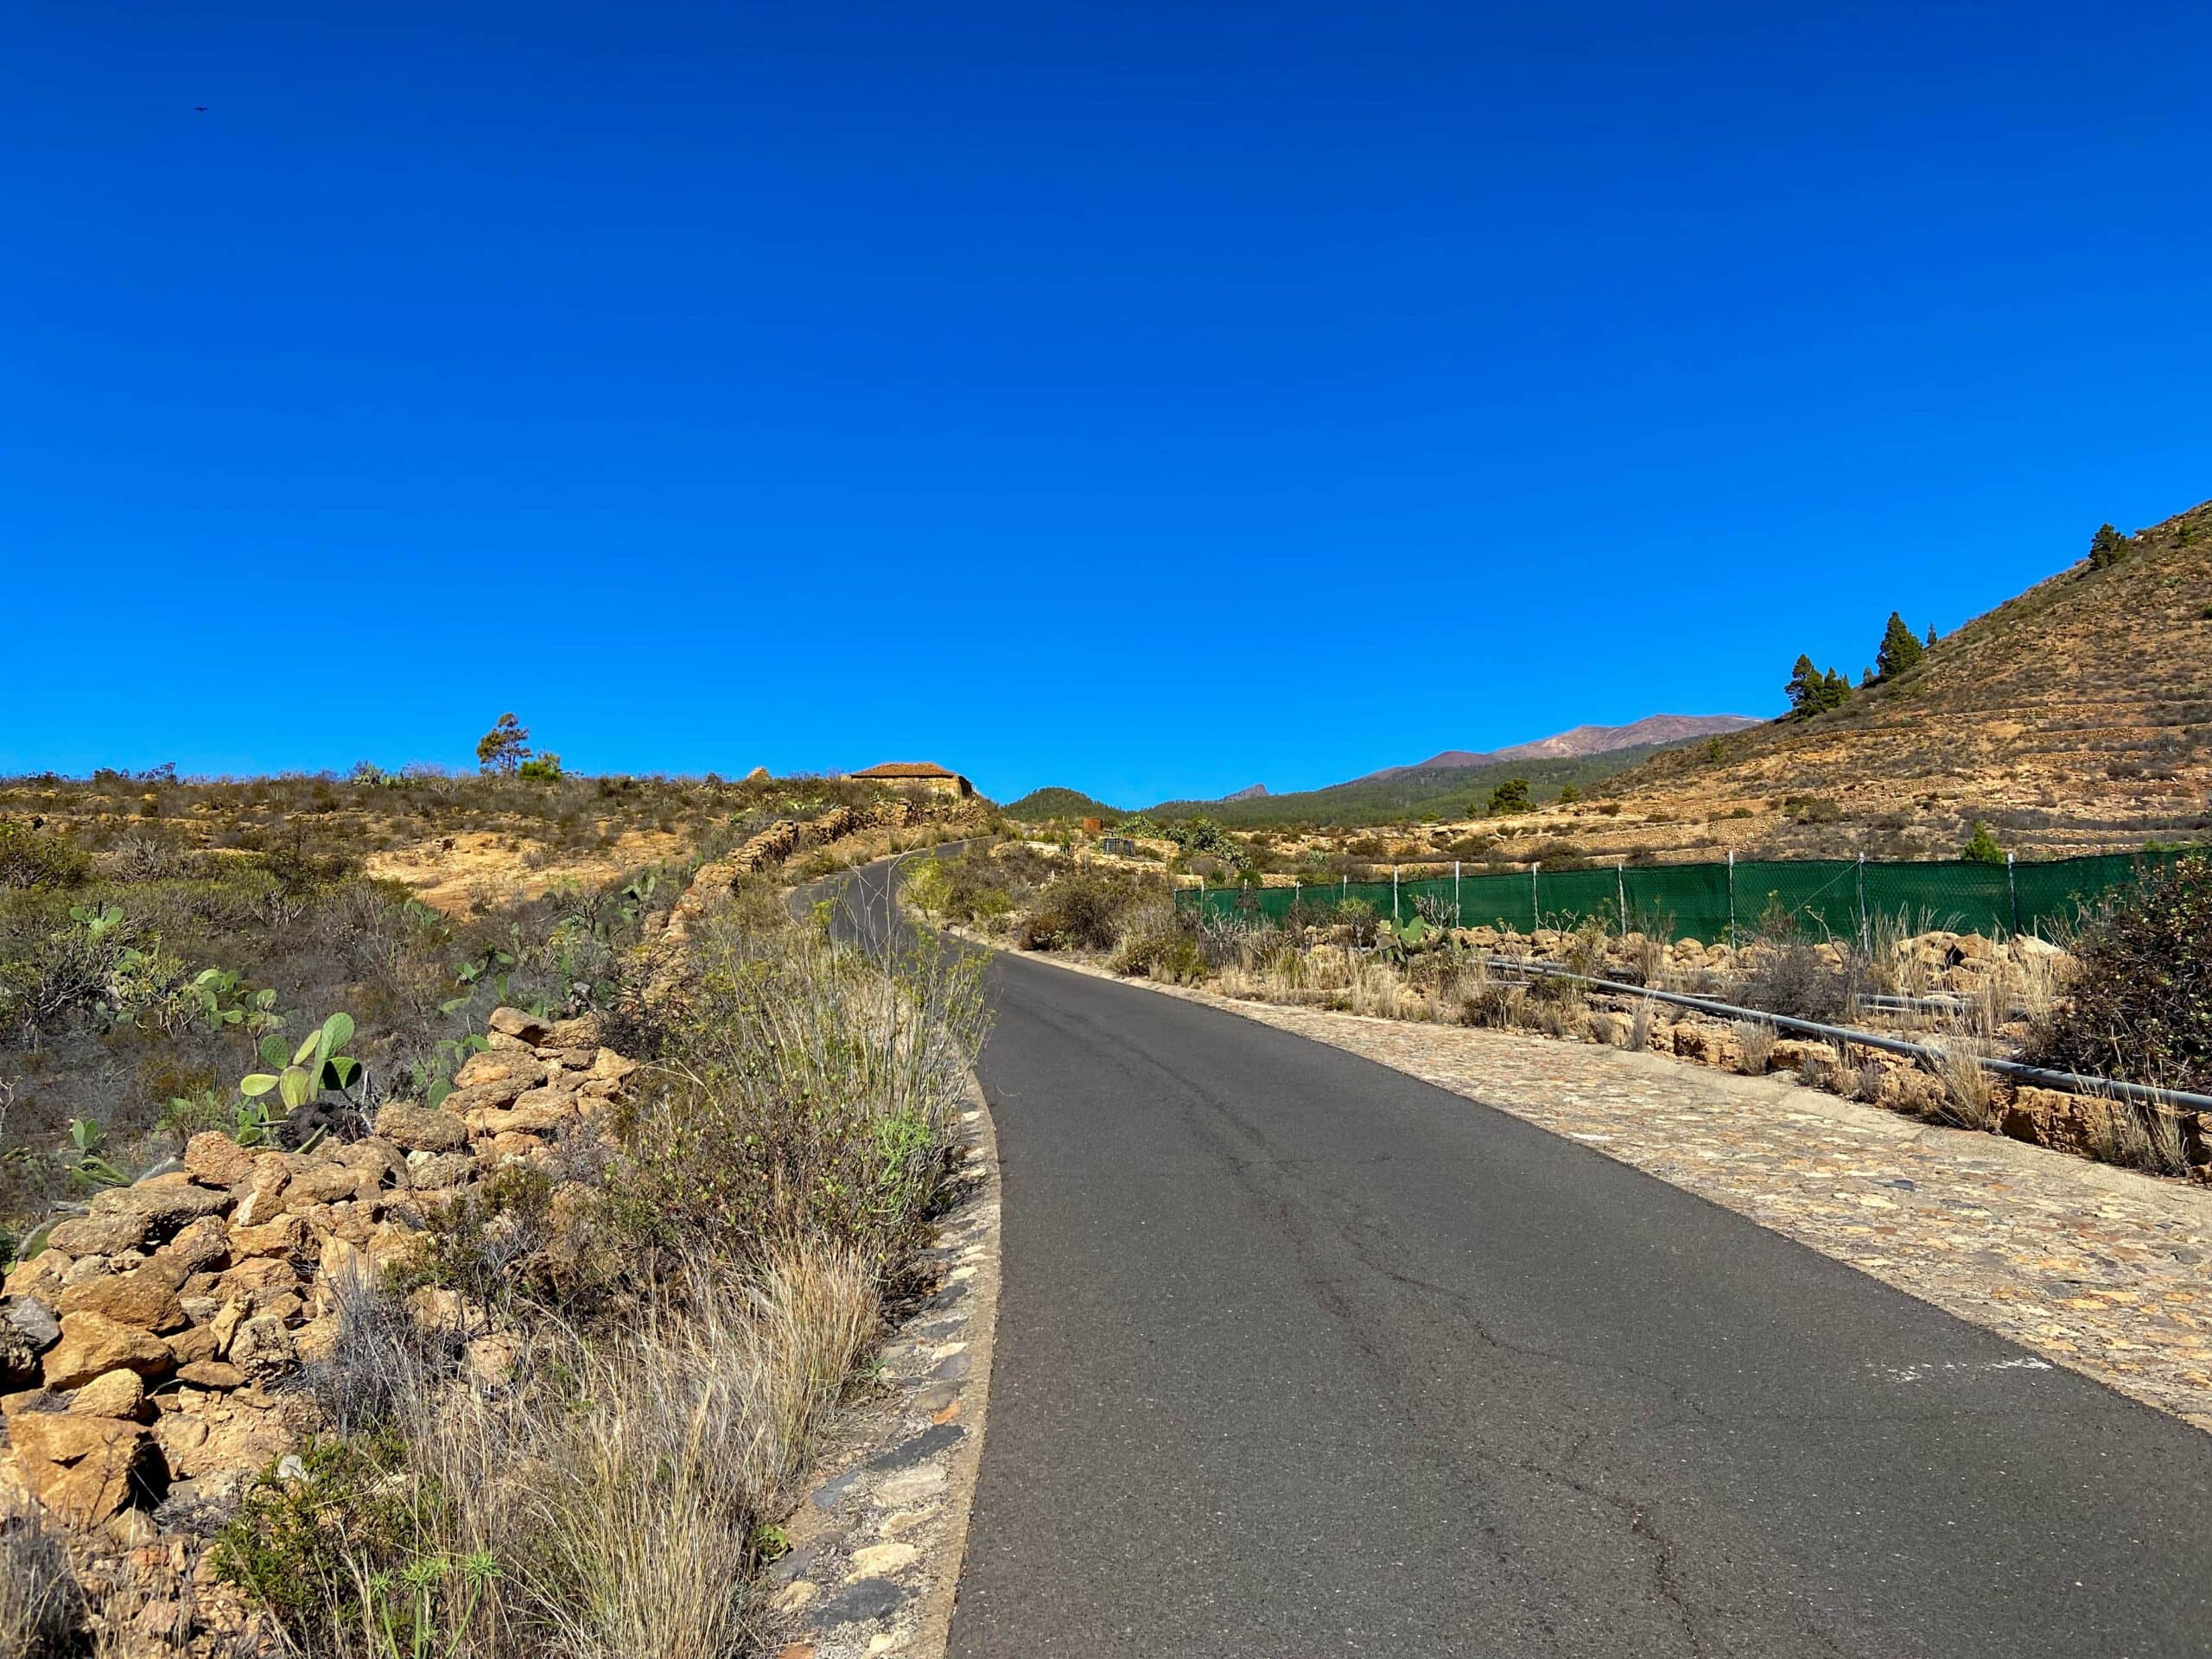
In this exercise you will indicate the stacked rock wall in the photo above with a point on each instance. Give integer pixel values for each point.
(146, 1353)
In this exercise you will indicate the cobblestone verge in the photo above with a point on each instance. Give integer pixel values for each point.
(876, 1547)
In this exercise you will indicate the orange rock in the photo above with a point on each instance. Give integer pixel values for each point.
(212, 1374)
(82, 1468)
(213, 1158)
(140, 1298)
(112, 1394)
(92, 1343)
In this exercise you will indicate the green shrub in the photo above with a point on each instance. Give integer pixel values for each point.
(295, 1545)
(1083, 908)
(815, 1098)
(1981, 846)
(31, 859)
(1170, 953)
(2140, 1007)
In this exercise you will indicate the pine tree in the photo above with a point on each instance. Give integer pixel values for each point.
(1899, 651)
(503, 748)
(1803, 685)
(2106, 547)
(1931, 634)
(1810, 690)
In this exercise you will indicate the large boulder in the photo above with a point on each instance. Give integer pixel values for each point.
(84, 1468)
(167, 1202)
(420, 1129)
(214, 1158)
(145, 1297)
(522, 1027)
(92, 1344)
(111, 1394)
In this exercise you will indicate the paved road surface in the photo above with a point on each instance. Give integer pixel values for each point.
(1298, 1355)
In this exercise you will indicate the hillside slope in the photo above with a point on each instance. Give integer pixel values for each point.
(1403, 793)
(1041, 805)
(2073, 718)
(1636, 735)
(1653, 731)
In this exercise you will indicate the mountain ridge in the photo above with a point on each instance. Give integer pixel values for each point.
(1580, 742)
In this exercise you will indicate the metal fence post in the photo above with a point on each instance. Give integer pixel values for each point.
(1456, 917)
(2012, 886)
(1732, 898)
(1620, 880)
(1535, 906)
(1394, 893)
(1865, 936)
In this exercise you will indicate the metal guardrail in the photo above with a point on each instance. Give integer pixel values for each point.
(1928, 1054)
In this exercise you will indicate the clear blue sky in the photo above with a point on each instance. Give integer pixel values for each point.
(1154, 398)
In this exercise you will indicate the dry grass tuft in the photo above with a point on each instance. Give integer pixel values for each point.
(1640, 1024)
(1755, 1040)
(41, 1609)
(1969, 1092)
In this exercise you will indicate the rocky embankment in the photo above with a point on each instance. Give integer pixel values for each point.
(150, 1350)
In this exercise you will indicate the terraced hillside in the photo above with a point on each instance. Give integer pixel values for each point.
(2071, 718)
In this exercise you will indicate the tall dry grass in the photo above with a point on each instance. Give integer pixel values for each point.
(41, 1609)
(622, 1489)
(589, 1479)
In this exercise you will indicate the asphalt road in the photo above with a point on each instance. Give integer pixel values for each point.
(1298, 1355)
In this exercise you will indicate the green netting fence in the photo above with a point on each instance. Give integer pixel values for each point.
(1821, 897)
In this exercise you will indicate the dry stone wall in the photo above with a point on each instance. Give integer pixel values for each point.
(146, 1353)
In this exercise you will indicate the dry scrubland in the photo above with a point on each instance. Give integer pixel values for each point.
(2127, 995)
(502, 1322)
(2072, 719)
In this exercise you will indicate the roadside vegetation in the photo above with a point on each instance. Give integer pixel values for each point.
(676, 1312)
(2117, 997)
(560, 1384)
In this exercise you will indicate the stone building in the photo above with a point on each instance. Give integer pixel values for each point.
(911, 774)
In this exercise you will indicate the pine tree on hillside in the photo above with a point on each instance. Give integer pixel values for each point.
(1899, 651)
(2107, 546)
(1931, 633)
(501, 751)
(1810, 690)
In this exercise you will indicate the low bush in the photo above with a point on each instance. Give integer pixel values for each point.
(1087, 909)
(1161, 942)
(30, 859)
(811, 1093)
(2140, 1003)
(1788, 977)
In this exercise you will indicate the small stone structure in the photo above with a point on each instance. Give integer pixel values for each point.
(917, 774)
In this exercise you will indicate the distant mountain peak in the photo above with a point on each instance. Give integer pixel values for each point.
(1585, 740)
(1250, 792)
(1603, 740)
